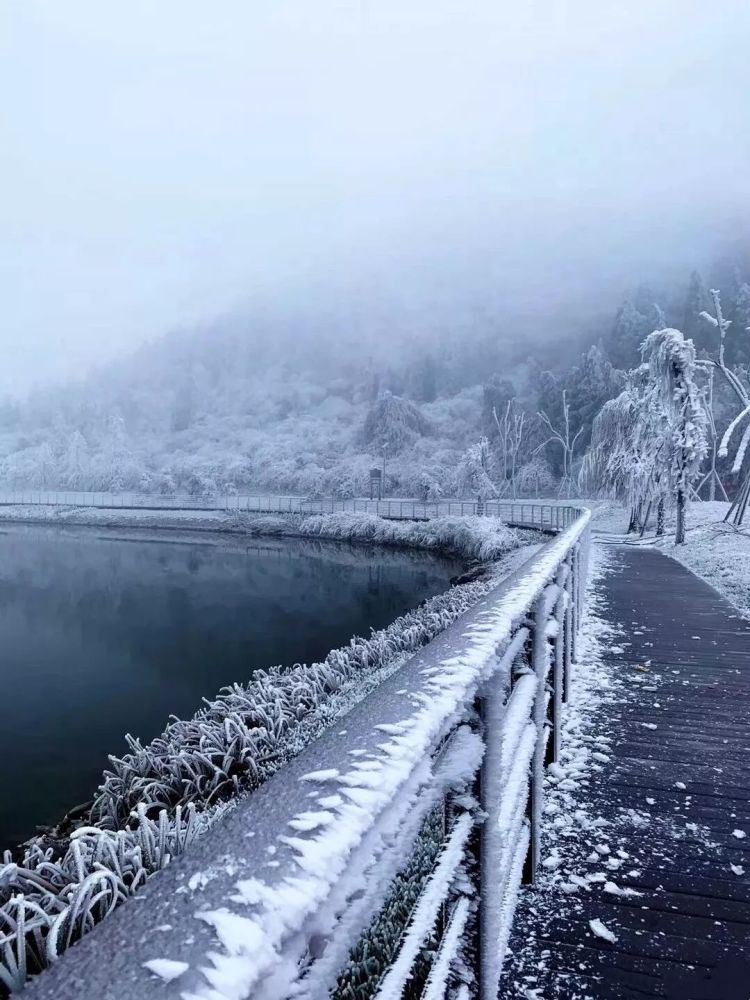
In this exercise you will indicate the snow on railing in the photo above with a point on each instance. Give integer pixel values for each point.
(542, 515)
(388, 852)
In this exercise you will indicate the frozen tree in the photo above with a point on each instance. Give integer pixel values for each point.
(393, 422)
(696, 301)
(561, 436)
(76, 466)
(472, 477)
(496, 393)
(117, 466)
(430, 489)
(510, 430)
(712, 476)
(623, 458)
(741, 391)
(535, 477)
(674, 397)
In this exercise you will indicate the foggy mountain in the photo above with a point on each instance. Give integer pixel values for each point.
(327, 206)
(306, 397)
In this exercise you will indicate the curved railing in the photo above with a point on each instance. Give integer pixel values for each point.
(384, 860)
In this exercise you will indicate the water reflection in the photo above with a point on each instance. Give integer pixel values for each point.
(102, 634)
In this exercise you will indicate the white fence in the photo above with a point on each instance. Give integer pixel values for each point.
(542, 515)
(292, 893)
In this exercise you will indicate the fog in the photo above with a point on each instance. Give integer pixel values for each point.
(166, 163)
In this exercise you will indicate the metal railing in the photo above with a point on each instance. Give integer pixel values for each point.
(543, 515)
(438, 773)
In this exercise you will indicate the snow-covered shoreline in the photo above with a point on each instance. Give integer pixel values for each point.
(468, 537)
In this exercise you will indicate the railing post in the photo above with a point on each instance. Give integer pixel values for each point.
(490, 838)
(558, 669)
(568, 647)
(539, 664)
(575, 594)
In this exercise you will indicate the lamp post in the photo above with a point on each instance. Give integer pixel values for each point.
(385, 449)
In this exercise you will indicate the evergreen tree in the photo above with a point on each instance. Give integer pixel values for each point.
(697, 301)
(589, 385)
(421, 378)
(630, 329)
(738, 339)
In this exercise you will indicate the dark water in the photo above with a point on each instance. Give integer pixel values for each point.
(103, 634)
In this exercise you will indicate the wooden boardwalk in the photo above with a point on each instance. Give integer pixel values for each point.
(675, 793)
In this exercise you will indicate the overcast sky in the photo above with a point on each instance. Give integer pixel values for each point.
(162, 161)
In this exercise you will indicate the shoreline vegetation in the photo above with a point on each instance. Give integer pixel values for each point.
(467, 537)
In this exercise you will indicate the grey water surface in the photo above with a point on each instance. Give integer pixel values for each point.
(104, 632)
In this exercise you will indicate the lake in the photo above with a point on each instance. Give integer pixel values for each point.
(104, 632)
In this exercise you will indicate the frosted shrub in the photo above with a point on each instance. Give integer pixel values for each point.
(484, 539)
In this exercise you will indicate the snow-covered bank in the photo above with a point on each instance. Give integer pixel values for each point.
(481, 538)
(473, 538)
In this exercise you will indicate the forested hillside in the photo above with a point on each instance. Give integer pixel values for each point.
(309, 403)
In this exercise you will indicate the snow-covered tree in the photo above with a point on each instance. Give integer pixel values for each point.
(76, 463)
(561, 436)
(696, 301)
(510, 433)
(712, 477)
(535, 478)
(472, 478)
(674, 396)
(736, 379)
(117, 464)
(623, 460)
(430, 489)
(393, 422)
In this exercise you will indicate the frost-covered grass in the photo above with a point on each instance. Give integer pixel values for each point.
(158, 797)
(474, 538)
(480, 538)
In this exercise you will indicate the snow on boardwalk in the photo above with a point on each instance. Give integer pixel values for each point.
(645, 885)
